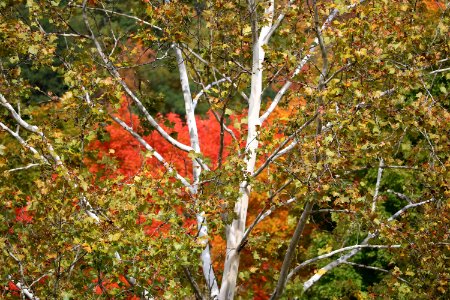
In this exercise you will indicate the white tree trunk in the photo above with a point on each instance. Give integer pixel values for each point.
(235, 231)
(208, 271)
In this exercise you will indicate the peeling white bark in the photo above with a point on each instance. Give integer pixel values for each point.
(206, 88)
(377, 186)
(189, 105)
(190, 115)
(26, 292)
(235, 231)
(208, 271)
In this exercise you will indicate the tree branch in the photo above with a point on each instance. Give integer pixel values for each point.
(207, 267)
(372, 268)
(197, 291)
(347, 211)
(411, 205)
(236, 229)
(58, 162)
(321, 45)
(21, 285)
(201, 59)
(377, 186)
(327, 255)
(207, 88)
(190, 115)
(29, 166)
(344, 68)
(401, 196)
(230, 132)
(31, 128)
(280, 151)
(28, 293)
(208, 270)
(149, 148)
(439, 71)
(263, 214)
(120, 14)
(113, 71)
(274, 27)
(307, 284)
(291, 250)
(334, 13)
(22, 141)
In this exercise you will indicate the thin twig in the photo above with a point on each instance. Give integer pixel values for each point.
(373, 268)
(344, 249)
(347, 211)
(439, 71)
(197, 291)
(152, 151)
(279, 150)
(23, 168)
(119, 14)
(264, 213)
(400, 195)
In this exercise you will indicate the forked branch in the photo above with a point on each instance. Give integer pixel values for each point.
(357, 248)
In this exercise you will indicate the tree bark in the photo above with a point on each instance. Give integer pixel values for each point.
(235, 231)
(291, 251)
(208, 271)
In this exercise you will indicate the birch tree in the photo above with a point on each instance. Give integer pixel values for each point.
(328, 111)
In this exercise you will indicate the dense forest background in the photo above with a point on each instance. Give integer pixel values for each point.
(377, 169)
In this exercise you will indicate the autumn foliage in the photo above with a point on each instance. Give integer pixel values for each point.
(350, 170)
(127, 151)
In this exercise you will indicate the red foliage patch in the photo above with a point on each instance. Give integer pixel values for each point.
(127, 151)
(23, 216)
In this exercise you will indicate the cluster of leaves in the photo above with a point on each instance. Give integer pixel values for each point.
(384, 106)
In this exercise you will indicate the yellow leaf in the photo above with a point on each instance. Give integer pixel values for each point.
(327, 249)
(67, 96)
(115, 237)
(247, 30)
(107, 81)
(52, 255)
(87, 248)
(321, 271)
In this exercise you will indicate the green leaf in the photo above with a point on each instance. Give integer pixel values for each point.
(33, 49)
